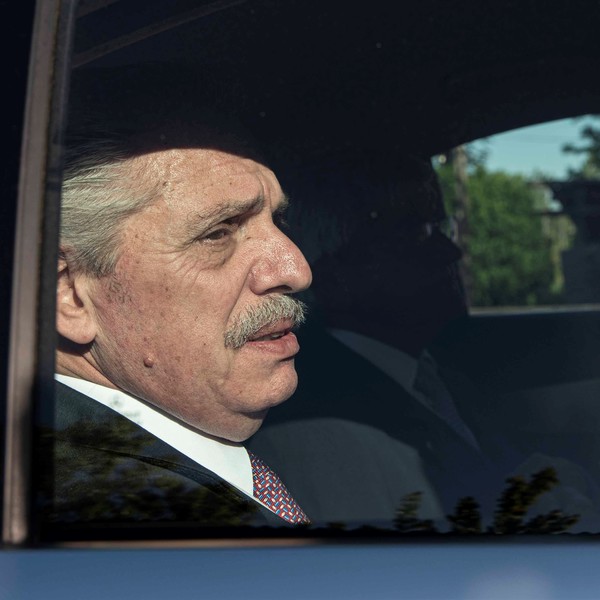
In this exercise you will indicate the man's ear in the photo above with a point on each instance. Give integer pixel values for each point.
(74, 311)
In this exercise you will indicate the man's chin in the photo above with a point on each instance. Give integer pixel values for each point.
(251, 425)
(253, 410)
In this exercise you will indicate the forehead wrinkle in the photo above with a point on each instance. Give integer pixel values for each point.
(163, 165)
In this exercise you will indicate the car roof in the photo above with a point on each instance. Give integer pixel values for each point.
(424, 75)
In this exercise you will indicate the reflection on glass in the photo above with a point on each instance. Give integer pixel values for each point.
(414, 414)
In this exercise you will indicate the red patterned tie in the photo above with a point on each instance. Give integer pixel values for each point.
(269, 489)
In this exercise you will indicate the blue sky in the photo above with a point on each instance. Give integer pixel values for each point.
(535, 149)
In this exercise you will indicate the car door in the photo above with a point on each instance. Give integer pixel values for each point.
(523, 358)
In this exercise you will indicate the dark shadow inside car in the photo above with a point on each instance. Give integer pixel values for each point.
(372, 399)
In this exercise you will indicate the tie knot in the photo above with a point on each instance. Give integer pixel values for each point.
(269, 489)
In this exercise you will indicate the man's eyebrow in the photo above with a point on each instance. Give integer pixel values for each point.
(226, 210)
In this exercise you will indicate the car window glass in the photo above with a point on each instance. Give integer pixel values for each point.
(420, 374)
(531, 243)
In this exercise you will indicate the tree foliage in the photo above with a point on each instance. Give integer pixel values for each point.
(407, 515)
(82, 484)
(510, 517)
(510, 258)
(590, 149)
(519, 496)
(466, 517)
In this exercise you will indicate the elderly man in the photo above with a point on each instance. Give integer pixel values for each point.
(175, 322)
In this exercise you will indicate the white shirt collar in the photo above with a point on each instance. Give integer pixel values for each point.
(228, 460)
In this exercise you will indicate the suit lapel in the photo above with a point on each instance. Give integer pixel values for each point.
(478, 410)
(336, 382)
(89, 425)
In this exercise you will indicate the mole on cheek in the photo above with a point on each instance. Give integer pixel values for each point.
(149, 362)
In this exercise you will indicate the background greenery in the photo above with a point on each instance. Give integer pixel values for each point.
(512, 234)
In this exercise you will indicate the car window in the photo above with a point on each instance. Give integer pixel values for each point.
(530, 233)
(455, 414)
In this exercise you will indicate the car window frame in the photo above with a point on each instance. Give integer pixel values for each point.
(31, 338)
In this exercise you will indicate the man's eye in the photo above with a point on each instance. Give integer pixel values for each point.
(218, 234)
(221, 233)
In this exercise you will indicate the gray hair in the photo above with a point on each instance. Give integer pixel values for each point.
(104, 184)
(98, 195)
(107, 129)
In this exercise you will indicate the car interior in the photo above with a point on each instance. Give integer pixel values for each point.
(353, 105)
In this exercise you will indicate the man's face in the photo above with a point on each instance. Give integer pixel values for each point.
(191, 266)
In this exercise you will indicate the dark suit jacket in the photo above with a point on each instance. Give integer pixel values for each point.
(100, 469)
(335, 382)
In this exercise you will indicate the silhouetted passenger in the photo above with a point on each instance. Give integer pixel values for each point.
(386, 283)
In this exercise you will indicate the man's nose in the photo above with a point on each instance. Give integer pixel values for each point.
(280, 267)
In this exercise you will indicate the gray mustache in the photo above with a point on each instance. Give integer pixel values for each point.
(270, 311)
